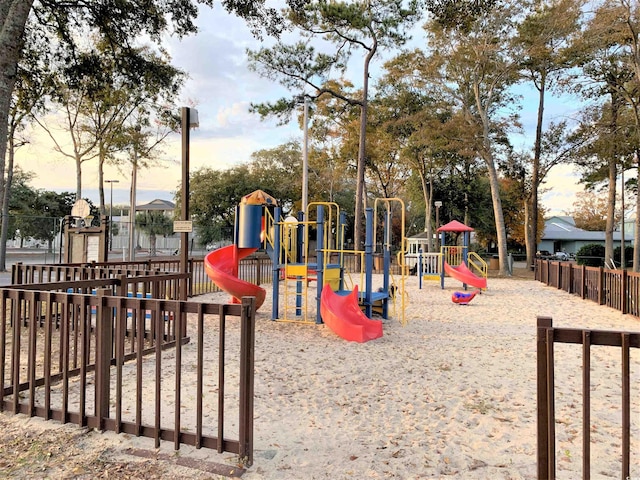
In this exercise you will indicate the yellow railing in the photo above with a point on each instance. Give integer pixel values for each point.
(477, 264)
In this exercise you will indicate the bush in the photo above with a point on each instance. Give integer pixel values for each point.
(591, 255)
(628, 255)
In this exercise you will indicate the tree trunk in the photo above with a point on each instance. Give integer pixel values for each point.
(13, 18)
(636, 236)
(613, 177)
(487, 155)
(101, 159)
(427, 194)
(359, 213)
(501, 231)
(78, 178)
(4, 228)
(530, 245)
(535, 176)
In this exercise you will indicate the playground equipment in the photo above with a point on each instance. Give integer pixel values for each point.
(296, 265)
(288, 242)
(463, 298)
(221, 265)
(457, 259)
(342, 314)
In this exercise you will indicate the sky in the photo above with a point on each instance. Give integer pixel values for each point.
(221, 87)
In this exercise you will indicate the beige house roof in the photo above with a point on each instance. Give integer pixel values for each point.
(156, 205)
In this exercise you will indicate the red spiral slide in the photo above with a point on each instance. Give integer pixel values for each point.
(221, 266)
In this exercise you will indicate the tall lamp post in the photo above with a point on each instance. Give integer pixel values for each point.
(111, 182)
(189, 119)
(438, 204)
(305, 152)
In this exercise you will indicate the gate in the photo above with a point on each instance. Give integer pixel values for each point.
(547, 336)
(144, 366)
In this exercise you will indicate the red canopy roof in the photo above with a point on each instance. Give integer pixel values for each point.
(455, 226)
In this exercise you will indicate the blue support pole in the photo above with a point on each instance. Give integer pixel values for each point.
(465, 250)
(419, 270)
(368, 261)
(319, 260)
(275, 274)
(343, 223)
(236, 226)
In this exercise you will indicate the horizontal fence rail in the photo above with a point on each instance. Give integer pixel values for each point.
(254, 268)
(547, 336)
(618, 289)
(144, 366)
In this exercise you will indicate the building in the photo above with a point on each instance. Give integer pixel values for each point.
(562, 235)
(165, 245)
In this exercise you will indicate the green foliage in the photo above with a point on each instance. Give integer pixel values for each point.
(628, 256)
(591, 255)
(458, 14)
(154, 223)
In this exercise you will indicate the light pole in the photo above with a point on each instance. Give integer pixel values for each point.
(438, 204)
(189, 119)
(111, 182)
(305, 153)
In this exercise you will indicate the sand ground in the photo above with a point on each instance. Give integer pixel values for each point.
(451, 394)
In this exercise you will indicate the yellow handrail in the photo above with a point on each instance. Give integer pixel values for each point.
(477, 263)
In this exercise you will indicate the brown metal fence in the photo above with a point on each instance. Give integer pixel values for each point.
(254, 268)
(546, 397)
(151, 367)
(617, 289)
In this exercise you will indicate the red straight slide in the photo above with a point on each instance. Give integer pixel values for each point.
(463, 274)
(342, 314)
(221, 266)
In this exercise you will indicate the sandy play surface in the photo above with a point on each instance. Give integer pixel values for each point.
(450, 395)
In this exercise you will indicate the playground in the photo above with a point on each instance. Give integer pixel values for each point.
(422, 376)
(344, 302)
(449, 395)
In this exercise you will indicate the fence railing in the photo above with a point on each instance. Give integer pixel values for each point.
(255, 269)
(618, 289)
(546, 396)
(129, 364)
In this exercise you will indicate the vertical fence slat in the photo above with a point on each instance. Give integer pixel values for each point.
(626, 406)
(586, 405)
(247, 355)
(159, 319)
(200, 374)
(138, 335)
(221, 375)
(51, 310)
(121, 332)
(31, 365)
(180, 318)
(551, 419)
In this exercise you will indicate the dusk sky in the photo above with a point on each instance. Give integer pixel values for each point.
(221, 88)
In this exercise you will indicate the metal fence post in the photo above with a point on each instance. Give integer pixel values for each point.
(544, 323)
(247, 356)
(104, 343)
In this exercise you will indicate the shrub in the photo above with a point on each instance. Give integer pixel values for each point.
(628, 255)
(591, 255)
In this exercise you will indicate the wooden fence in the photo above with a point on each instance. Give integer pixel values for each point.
(256, 269)
(617, 289)
(546, 396)
(152, 367)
